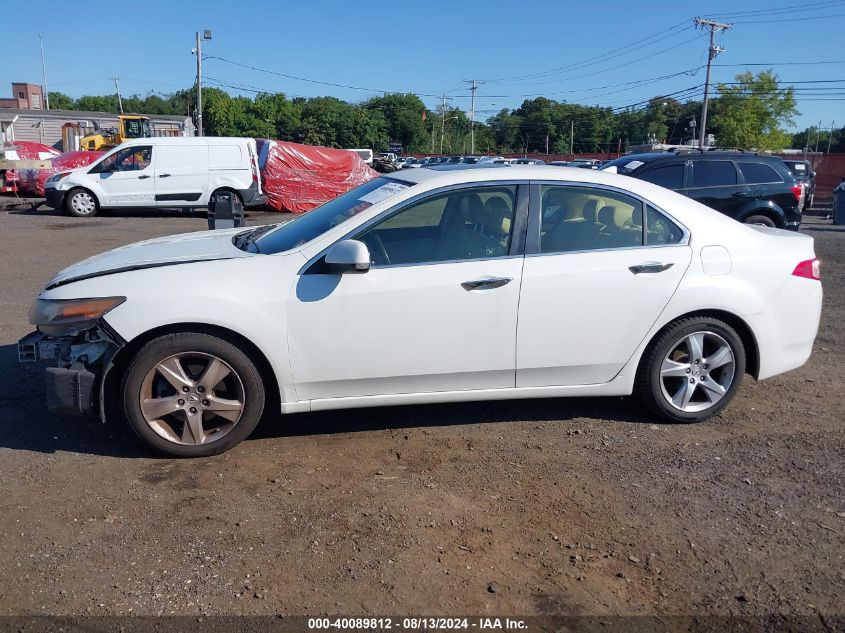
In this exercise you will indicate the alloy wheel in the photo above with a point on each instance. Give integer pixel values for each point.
(192, 398)
(697, 372)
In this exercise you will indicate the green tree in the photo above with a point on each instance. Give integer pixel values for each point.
(104, 103)
(751, 112)
(60, 101)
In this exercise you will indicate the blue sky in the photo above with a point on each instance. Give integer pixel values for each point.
(558, 49)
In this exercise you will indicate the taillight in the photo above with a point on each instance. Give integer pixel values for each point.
(797, 190)
(809, 268)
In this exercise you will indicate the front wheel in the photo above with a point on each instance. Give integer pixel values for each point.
(81, 204)
(192, 395)
(692, 370)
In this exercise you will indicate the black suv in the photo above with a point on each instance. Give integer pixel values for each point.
(751, 188)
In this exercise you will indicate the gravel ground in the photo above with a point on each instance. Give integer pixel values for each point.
(580, 506)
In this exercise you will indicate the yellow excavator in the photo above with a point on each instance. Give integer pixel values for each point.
(130, 126)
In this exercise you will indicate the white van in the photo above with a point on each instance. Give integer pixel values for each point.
(365, 154)
(160, 172)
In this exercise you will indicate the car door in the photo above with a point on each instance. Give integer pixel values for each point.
(181, 173)
(715, 183)
(124, 179)
(436, 311)
(600, 267)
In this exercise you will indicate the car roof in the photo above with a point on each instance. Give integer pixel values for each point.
(186, 140)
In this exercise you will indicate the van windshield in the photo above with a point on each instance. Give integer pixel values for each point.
(314, 223)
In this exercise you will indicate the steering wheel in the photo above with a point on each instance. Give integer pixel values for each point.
(379, 251)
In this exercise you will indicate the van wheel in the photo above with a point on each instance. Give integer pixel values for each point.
(213, 199)
(760, 219)
(81, 204)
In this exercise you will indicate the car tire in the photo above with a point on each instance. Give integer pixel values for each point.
(760, 219)
(81, 203)
(675, 379)
(192, 395)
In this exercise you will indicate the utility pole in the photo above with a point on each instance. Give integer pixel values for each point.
(830, 136)
(473, 87)
(206, 35)
(818, 132)
(44, 74)
(713, 50)
(442, 120)
(116, 81)
(571, 137)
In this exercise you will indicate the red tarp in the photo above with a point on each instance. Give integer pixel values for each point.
(298, 177)
(31, 181)
(25, 150)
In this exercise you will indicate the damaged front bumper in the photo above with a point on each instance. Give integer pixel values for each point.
(79, 363)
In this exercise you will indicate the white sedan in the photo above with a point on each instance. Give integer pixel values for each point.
(427, 286)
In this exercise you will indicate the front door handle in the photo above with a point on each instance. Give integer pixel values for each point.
(164, 175)
(486, 284)
(739, 194)
(651, 267)
(144, 177)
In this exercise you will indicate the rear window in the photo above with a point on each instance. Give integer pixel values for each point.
(758, 173)
(669, 176)
(713, 173)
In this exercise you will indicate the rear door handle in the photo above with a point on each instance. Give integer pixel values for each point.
(164, 175)
(486, 284)
(738, 194)
(650, 267)
(144, 177)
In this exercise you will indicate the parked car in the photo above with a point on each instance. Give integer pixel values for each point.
(802, 171)
(400, 162)
(160, 172)
(385, 162)
(751, 188)
(527, 161)
(489, 159)
(561, 163)
(365, 154)
(184, 336)
(415, 163)
(585, 163)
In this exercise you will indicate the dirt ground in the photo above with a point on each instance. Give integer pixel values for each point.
(581, 506)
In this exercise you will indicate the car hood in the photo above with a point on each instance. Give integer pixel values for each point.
(161, 251)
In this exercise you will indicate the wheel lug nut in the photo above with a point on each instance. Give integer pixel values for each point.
(688, 370)
(205, 403)
(706, 366)
(181, 402)
(697, 361)
(186, 389)
(201, 389)
(193, 409)
(692, 380)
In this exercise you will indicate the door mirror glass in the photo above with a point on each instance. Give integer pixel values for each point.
(348, 256)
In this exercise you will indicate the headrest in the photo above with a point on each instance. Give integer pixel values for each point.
(607, 216)
(589, 210)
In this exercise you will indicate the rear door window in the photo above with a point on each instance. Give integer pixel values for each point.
(758, 173)
(669, 176)
(713, 173)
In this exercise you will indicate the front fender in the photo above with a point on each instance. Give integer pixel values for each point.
(246, 296)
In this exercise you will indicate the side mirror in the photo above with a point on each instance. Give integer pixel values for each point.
(349, 256)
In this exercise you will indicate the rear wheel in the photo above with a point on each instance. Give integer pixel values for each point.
(192, 395)
(81, 204)
(760, 219)
(692, 370)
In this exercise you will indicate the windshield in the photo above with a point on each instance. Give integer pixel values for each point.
(314, 223)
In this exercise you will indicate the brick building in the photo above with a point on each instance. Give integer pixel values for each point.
(24, 97)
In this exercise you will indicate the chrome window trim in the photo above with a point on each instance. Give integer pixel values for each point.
(532, 247)
(387, 213)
